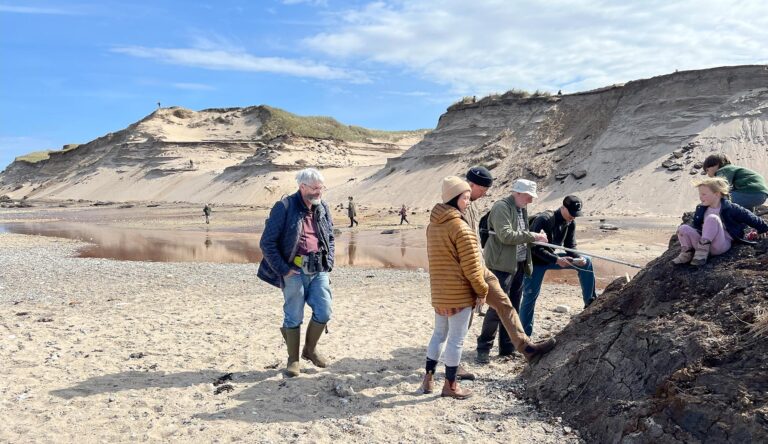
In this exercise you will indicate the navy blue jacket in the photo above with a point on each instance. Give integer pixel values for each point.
(280, 239)
(735, 219)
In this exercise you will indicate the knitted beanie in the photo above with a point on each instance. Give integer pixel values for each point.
(452, 187)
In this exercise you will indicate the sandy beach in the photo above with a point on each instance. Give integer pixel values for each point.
(104, 350)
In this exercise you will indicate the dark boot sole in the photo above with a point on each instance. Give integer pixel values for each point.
(316, 363)
(448, 395)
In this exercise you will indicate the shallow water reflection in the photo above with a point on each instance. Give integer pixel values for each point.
(405, 249)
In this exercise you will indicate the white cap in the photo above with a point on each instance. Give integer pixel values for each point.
(525, 186)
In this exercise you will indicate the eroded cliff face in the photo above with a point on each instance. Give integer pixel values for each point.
(677, 355)
(234, 155)
(607, 145)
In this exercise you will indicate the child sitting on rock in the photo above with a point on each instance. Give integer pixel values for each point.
(716, 223)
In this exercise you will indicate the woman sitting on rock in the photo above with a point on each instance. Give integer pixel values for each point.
(716, 223)
(748, 188)
(457, 283)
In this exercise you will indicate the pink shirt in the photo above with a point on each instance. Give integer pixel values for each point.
(308, 240)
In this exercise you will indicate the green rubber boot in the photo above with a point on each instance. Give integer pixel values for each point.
(292, 338)
(314, 331)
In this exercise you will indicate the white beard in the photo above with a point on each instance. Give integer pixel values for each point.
(315, 201)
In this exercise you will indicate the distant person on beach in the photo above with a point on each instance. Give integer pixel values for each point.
(507, 254)
(158, 105)
(191, 164)
(748, 188)
(456, 282)
(480, 180)
(560, 227)
(403, 215)
(352, 212)
(716, 224)
(298, 246)
(207, 213)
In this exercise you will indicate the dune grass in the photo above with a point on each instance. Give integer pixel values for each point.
(495, 97)
(33, 157)
(39, 156)
(280, 122)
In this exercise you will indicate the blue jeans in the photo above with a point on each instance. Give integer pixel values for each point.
(748, 200)
(312, 289)
(532, 287)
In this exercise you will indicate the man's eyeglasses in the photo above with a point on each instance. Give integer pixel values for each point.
(315, 189)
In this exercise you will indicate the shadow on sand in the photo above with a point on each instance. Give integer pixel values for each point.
(347, 387)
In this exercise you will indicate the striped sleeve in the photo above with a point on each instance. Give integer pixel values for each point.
(469, 260)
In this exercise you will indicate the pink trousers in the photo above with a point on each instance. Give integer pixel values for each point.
(712, 230)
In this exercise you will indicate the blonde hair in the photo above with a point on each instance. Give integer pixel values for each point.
(715, 184)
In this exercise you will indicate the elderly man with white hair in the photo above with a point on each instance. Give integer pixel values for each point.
(298, 248)
(507, 254)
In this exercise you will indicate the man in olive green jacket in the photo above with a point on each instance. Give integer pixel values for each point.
(508, 255)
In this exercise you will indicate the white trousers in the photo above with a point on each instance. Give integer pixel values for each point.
(451, 329)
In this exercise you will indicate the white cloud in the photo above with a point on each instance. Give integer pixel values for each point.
(309, 2)
(237, 60)
(34, 10)
(193, 86)
(487, 46)
(408, 93)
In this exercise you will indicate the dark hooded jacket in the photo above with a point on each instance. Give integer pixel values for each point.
(559, 232)
(280, 239)
(735, 219)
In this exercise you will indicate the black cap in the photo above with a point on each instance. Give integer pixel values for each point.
(573, 205)
(480, 176)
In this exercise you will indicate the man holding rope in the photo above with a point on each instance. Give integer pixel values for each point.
(560, 227)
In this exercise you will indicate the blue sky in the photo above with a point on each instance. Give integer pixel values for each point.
(74, 71)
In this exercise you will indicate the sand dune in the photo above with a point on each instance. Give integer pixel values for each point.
(629, 149)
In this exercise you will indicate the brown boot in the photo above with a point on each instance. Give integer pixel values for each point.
(536, 349)
(684, 257)
(428, 384)
(292, 338)
(702, 253)
(314, 331)
(454, 390)
(463, 375)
